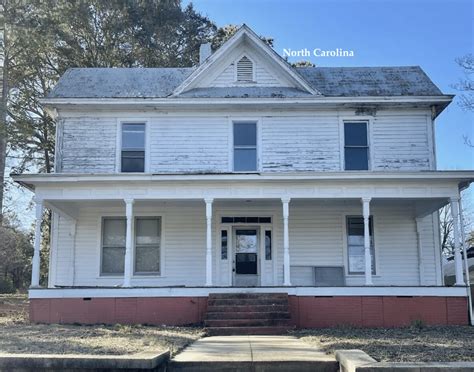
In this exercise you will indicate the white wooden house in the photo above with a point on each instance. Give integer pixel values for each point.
(243, 175)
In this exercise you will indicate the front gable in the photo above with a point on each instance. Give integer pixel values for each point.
(245, 61)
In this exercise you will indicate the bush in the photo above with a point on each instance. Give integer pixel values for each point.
(6, 286)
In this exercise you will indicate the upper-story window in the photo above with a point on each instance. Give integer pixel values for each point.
(245, 147)
(133, 147)
(244, 70)
(356, 146)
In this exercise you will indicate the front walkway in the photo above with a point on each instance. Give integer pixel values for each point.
(262, 353)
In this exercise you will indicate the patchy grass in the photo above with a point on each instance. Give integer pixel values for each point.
(411, 344)
(18, 336)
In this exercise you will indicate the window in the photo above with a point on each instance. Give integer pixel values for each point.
(245, 147)
(244, 70)
(356, 146)
(355, 245)
(268, 245)
(133, 147)
(147, 245)
(224, 243)
(246, 220)
(113, 245)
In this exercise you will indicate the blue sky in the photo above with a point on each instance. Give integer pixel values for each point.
(428, 33)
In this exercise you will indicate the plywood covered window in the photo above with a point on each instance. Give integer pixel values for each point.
(244, 70)
(355, 245)
(356, 146)
(133, 147)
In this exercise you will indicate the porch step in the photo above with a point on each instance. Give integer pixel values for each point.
(230, 331)
(248, 314)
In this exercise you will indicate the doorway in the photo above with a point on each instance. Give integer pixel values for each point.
(246, 256)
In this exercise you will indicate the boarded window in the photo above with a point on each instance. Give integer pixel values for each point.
(244, 70)
(245, 147)
(147, 245)
(113, 245)
(356, 146)
(355, 245)
(133, 147)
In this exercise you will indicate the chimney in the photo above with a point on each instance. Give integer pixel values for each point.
(204, 52)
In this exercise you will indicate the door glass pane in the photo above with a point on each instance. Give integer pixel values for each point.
(133, 136)
(113, 260)
(356, 158)
(268, 245)
(114, 232)
(245, 160)
(245, 134)
(355, 134)
(224, 243)
(246, 241)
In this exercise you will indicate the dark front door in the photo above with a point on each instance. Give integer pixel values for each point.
(246, 257)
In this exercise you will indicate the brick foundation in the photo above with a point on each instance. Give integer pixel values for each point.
(306, 311)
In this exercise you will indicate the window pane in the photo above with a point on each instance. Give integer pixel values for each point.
(114, 232)
(245, 160)
(355, 134)
(224, 243)
(147, 259)
(133, 161)
(245, 134)
(133, 136)
(113, 260)
(148, 231)
(268, 245)
(356, 158)
(355, 245)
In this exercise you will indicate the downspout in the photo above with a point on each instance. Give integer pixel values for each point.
(466, 264)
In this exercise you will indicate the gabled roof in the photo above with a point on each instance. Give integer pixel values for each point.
(161, 82)
(244, 33)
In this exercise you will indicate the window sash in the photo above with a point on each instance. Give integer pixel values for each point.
(133, 153)
(359, 247)
(356, 146)
(110, 247)
(147, 246)
(242, 156)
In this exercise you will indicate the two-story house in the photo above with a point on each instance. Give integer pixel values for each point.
(179, 190)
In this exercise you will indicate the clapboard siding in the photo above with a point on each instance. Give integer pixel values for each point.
(316, 231)
(400, 142)
(88, 145)
(189, 144)
(225, 78)
(300, 143)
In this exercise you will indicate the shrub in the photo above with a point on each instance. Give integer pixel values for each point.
(6, 286)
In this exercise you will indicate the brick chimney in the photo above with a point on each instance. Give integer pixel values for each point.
(204, 52)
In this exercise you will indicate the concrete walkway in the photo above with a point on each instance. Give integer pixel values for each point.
(252, 353)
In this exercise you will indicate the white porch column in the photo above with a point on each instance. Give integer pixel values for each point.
(368, 256)
(127, 275)
(421, 270)
(457, 245)
(35, 271)
(208, 241)
(286, 242)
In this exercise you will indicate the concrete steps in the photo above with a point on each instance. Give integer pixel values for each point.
(248, 314)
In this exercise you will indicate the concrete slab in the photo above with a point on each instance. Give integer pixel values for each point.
(259, 352)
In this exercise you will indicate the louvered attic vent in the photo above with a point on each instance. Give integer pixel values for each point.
(244, 70)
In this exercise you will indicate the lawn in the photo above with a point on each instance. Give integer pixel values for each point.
(18, 336)
(411, 344)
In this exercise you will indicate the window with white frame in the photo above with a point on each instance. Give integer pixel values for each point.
(356, 146)
(133, 147)
(245, 147)
(147, 245)
(244, 70)
(355, 245)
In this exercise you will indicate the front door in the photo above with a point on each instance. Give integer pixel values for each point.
(246, 257)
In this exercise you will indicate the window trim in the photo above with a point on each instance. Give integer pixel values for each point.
(257, 122)
(356, 119)
(243, 83)
(118, 155)
(375, 232)
(162, 274)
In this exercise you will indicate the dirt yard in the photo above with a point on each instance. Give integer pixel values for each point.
(413, 344)
(18, 336)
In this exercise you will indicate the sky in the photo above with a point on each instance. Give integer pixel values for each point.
(428, 33)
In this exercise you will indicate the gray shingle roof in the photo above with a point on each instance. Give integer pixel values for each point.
(160, 82)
